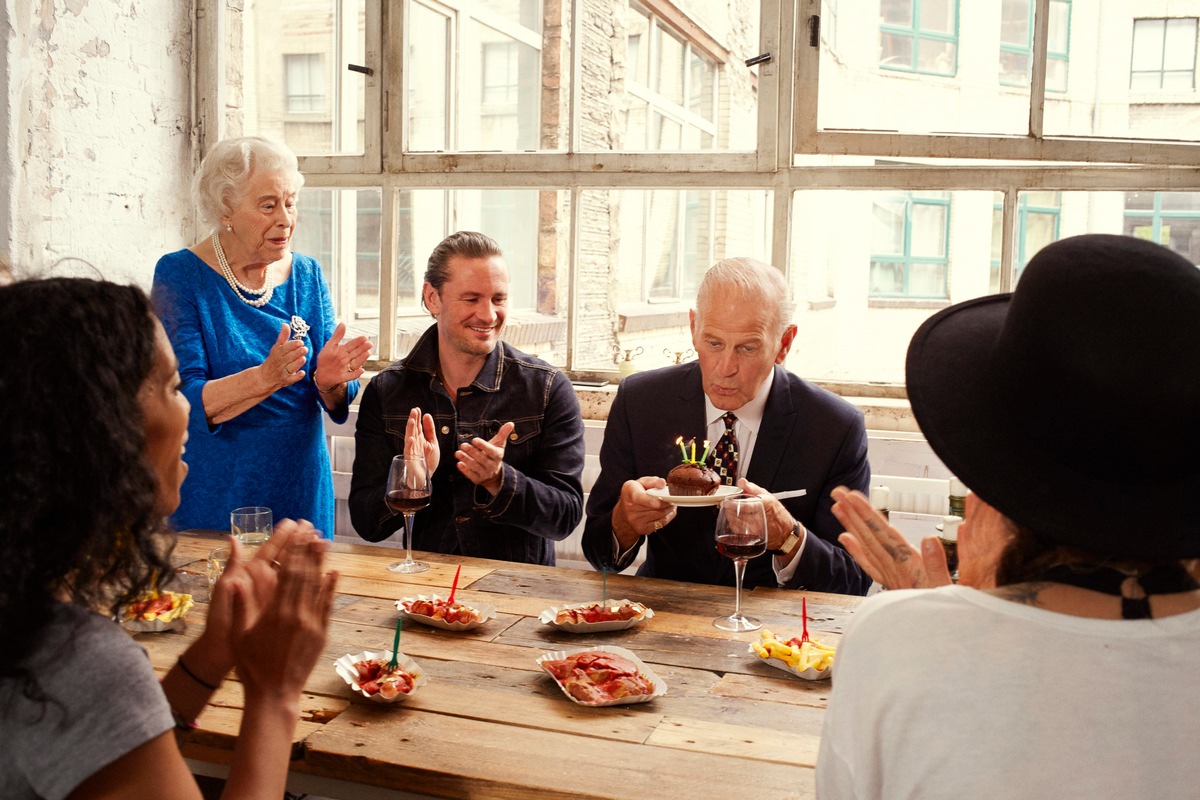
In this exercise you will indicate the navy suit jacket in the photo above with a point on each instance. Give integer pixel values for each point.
(810, 439)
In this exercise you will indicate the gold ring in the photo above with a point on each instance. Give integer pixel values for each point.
(658, 524)
(349, 368)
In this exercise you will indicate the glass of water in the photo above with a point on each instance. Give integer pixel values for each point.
(251, 525)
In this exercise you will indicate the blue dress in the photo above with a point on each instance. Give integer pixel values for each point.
(273, 454)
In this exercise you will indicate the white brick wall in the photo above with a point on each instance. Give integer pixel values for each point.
(95, 154)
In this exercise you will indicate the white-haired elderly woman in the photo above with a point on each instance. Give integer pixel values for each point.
(261, 355)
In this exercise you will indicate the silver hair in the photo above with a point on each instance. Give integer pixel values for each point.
(746, 278)
(218, 184)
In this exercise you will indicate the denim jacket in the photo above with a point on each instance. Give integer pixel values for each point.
(541, 497)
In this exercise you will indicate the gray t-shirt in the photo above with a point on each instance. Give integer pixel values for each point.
(103, 700)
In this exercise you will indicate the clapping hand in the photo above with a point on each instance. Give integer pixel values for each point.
(880, 549)
(339, 362)
(284, 363)
(482, 461)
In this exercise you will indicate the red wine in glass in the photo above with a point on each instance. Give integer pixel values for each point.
(732, 545)
(406, 501)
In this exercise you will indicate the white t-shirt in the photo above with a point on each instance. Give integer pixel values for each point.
(955, 693)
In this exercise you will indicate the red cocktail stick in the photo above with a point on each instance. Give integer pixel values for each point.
(804, 610)
(454, 586)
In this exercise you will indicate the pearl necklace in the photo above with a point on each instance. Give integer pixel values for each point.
(266, 291)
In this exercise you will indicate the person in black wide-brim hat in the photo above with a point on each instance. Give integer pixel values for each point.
(1071, 407)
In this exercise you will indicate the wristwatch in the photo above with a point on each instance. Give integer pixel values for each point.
(789, 544)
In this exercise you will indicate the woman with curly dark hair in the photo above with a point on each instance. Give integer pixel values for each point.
(90, 466)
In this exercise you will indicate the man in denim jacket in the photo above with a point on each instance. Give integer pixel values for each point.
(501, 430)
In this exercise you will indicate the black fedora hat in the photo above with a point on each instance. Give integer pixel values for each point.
(1072, 405)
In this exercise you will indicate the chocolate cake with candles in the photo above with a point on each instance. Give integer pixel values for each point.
(692, 478)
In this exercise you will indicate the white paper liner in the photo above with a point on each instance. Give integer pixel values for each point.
(344, 667)
(486, 612)
(714, 499)
(809, 674)
(660, 686)
(152, 625)
(548, 617)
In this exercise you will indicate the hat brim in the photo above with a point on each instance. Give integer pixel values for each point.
(959, 405)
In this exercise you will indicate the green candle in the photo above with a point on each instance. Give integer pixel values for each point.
(704, 457)
(679, 441)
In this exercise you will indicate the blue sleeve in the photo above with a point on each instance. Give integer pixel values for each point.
(174, 296)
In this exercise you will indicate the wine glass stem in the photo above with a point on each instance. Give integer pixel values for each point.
(739, 569)
(408, 523)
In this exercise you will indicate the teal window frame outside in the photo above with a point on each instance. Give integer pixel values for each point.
(1157, 217)
(1162, 70)
(1021, 257)
(911, 201)
(1051, 54)
(917, 34)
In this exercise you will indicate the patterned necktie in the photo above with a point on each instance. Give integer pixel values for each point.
(725, 455)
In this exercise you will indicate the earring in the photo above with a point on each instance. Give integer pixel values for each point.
(228, 228)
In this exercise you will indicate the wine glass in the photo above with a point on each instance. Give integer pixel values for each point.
(407, 493)
(741, 535)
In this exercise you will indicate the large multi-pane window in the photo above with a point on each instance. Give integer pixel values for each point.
(919, 35)
(1016, 43)
(890, 158)
(1164, 54)
(910, 235)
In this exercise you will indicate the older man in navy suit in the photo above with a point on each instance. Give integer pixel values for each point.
(787, 433)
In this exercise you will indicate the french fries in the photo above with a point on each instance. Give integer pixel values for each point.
(796, 654)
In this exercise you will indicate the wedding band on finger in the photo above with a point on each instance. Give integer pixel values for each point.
(658, 525)
(349, 368)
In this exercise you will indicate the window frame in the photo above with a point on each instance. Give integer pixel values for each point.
(1028, 48)
(916, 34)
(1162, 70)
(792, 155)
(906, 259)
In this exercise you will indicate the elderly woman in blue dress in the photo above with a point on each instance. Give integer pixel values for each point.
(260, 353)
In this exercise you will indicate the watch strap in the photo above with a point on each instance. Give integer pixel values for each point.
(789, 544)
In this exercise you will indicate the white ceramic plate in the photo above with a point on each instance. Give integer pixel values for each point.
(486, 612)
(714, 499)
(809, 674)
(344, 667)
(660, 686)
(548, 616)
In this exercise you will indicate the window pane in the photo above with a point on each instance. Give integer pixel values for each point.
(1179, 49)
(340, 228)
(896, 12)
(1147, 44)
(670, 67)
(428, 70)
(964, 78)
(927, 280)
(294, 85)
(1058, 34)
(928, 230)
(526, 13)
(686, 70)
(938, 15)
(500, 112)
(526, 225)
(887, 228)
(643, 253)
(936, 57)
(1015, 22)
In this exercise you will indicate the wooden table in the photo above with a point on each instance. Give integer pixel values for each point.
(491, 723)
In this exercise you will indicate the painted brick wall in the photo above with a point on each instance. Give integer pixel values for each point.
(96, 134)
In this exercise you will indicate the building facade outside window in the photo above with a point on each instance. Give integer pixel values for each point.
(1038, 216)
(1171, 219)
(305, 77)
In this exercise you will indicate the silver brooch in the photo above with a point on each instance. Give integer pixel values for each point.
(299, 327)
